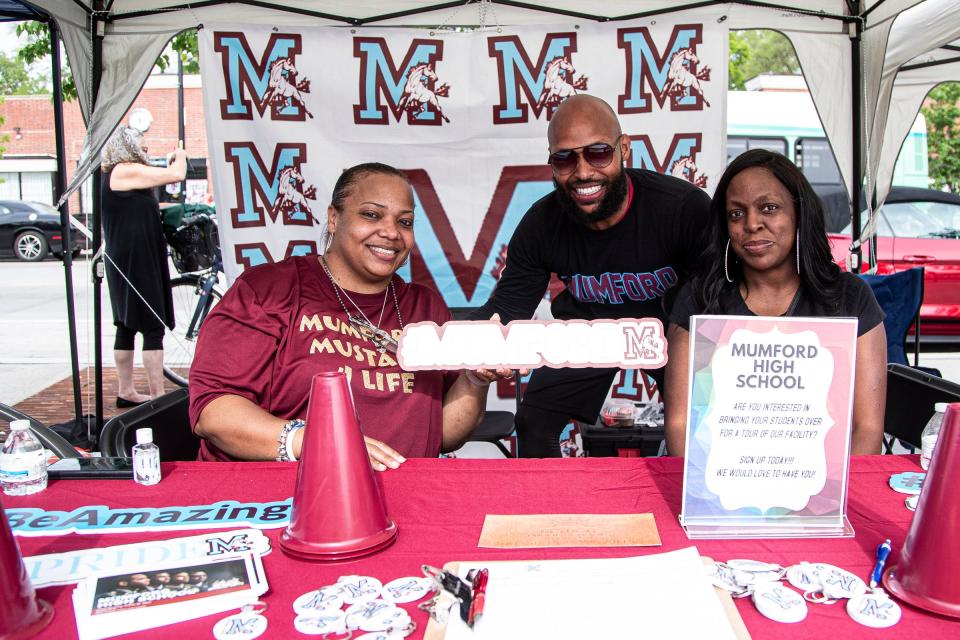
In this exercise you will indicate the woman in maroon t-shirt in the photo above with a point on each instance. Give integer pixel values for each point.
(281, 323)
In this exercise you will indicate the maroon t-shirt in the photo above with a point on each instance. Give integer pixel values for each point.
(281, 323)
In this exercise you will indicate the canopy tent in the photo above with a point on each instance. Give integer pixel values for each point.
(868, 63)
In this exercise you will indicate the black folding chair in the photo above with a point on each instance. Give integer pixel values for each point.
(168, 417)
(52, 441)
(911, 394)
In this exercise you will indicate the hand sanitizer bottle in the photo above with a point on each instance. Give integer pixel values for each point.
(146, 458)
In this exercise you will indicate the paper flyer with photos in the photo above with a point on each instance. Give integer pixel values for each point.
(112, 603)
(768, 426)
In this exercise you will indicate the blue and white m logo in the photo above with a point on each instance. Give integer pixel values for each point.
(259, 189)
(673, 73)
(247, 76)
(520, 78)
(411, 86)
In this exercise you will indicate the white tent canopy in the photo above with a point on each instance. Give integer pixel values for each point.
(851, 52)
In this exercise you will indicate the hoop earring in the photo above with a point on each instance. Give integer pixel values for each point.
(726, 260)
(328, 243)
(797, 247)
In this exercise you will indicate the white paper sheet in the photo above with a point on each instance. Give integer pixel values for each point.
(666, 595)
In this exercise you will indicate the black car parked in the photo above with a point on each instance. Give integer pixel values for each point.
(31, 230)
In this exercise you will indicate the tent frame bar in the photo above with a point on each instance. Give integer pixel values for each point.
(440, 6)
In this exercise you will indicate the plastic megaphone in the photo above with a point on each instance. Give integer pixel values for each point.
(22, 614)
(926, 575)
(338, 507)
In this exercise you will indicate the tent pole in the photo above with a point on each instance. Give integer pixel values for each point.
(181, 126)
(65, 231)
(856, 41)
(97, 267)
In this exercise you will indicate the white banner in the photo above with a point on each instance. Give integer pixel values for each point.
(465, 114)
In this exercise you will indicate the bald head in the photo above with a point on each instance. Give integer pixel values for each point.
(582, 110)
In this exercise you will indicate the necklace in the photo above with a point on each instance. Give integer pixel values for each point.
(383, 340)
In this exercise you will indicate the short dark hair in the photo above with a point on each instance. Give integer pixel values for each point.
(818, 274)
(350, 176)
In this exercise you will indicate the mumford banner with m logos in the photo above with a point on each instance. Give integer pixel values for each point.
(464, 114)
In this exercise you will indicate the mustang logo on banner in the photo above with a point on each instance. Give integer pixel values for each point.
(464, 114)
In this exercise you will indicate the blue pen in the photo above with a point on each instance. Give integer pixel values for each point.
(882, 552)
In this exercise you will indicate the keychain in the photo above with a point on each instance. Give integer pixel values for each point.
(249, 623)
(324, 598)
(875, 609)
(448, 583)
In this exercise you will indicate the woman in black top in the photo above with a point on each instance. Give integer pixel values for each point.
(136, 263)
(762, 211)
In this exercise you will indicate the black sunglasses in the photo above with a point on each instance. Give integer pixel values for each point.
(598, 155)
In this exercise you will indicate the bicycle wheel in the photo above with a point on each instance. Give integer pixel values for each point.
(178, 346)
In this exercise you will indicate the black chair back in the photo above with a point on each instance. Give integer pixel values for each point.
(49, 439)
(911, 394)
(167, 416)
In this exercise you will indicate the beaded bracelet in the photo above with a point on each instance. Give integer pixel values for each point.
(285, 454)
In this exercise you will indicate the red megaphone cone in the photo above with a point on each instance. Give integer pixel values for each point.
(926, 576)
(338, 507)
(22, 614)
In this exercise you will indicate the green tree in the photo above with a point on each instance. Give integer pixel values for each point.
(757, 51)
(37, 46)
(943, 135)
(17, 79)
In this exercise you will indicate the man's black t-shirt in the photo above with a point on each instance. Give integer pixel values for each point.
(620, 272)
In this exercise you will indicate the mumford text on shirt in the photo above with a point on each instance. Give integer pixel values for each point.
(349, 343)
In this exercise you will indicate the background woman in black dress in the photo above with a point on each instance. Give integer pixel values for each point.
(136, 265)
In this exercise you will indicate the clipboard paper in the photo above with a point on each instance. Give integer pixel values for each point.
(592, 598)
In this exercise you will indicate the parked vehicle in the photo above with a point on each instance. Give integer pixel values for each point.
(31, 230)
(787, 122)
(919, 228)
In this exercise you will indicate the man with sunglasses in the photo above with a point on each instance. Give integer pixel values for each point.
(617, 238)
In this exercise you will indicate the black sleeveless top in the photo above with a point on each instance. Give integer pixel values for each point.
(136, 247)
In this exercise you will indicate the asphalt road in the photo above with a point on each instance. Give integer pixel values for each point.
(34, 338)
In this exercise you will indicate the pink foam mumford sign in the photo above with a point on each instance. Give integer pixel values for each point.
(528, 344)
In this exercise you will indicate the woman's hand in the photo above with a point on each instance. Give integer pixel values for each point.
(382, 455)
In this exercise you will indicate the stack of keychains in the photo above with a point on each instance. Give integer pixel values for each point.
(820, 583)
(371, 607)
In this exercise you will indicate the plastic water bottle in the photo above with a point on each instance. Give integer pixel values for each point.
(23, 464)
(146, 458)
(928, 439)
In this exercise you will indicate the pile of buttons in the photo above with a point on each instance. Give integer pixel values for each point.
(820, 583)
(370, 606)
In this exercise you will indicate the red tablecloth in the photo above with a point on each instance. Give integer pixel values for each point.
(439, 506)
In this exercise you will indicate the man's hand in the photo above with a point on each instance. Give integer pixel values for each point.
(382, 455)
(483, 377)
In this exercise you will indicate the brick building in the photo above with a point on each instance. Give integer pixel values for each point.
(28, 165)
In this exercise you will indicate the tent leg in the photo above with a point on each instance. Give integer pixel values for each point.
(65, 230)
(857, 107)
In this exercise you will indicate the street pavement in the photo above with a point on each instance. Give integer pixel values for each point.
(34, 338)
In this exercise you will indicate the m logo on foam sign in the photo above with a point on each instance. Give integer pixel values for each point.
(676, 74)
(626, 342)
(271, 80)
(412, 87)
(544, 84)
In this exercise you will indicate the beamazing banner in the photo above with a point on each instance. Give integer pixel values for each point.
(464, 114)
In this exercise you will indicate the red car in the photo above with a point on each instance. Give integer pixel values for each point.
(919, 228)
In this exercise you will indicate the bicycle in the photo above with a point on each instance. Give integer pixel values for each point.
(195, 250)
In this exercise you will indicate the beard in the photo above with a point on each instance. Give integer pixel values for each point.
(609, 205)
